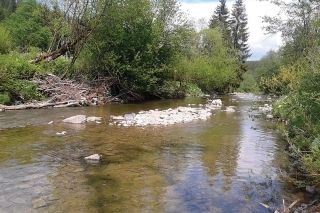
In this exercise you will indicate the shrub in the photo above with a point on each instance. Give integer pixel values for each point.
(5, 98)
(5, 42)
(15, 75)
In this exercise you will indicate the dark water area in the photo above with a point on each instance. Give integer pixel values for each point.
(231, 162)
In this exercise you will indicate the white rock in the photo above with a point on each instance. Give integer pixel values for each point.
(230, 109)
(61, 133)
(117, 117)
(94, 157)
(216, 102)
(269, 116)
(93, 119)
(77, 119)
(51, 122)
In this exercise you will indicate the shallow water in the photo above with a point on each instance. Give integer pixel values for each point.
(229, 163)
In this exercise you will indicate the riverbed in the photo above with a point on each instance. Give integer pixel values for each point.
(231, 162)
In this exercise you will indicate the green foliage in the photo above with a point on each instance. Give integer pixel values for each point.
(15, 75)
(149, 47)
(138, 45)
(57, 67)
(5, 98)
(248, 84)
(268, 66)
(5, 41)
(287, 79)
(302, 109)
(220, 18)
(235, 33)
(211, 67)
(7, 7)
(27, 26)
(193, 90)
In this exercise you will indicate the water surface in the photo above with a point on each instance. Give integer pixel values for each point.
(229, 163)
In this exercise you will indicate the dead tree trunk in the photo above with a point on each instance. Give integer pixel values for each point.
(50, 56)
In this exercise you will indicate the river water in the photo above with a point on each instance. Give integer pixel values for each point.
(228, 163)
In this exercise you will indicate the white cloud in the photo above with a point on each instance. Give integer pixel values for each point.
(259, 43)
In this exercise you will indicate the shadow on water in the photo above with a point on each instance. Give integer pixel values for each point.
(229, 163)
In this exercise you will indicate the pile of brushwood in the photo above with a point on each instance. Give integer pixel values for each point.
(60, 92)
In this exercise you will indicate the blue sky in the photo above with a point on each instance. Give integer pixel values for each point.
(259, 43)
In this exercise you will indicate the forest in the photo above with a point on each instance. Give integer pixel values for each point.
(146, 49)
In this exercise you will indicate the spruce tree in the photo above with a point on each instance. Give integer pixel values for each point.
(239, 30)
(239, 37)
(220, 18)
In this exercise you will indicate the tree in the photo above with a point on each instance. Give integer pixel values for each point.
(268, 66)
(239, 30)
(211, 67)
(298, 23)
(136, 43)
(71, 23)
(220, 18)
(27, 28)
(7, 7)
(239, 36)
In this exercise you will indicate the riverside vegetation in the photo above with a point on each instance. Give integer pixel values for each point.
(141, 49)
(293, 73)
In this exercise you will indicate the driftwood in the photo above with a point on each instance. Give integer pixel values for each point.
(67, 93)
(60, 92)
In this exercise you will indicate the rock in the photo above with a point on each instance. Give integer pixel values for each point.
(129, 116)
(114, 117)
(2, 110)
(77, 119)
(311, 189)
(216, 102)
(93, 119)
(61, 133)
(51, 122)
(94, 157)
(163, 117)
(230, 109)
(265, 109)
(269, 116)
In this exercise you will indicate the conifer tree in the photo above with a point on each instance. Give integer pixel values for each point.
(239, 30)
(220, 16)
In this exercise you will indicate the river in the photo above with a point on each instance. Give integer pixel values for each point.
(231, 162)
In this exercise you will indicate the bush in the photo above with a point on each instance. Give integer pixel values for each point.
(248, 84)
(171, 89)
(5, 42)
(5, 98)
(15, 75)
(301, 107)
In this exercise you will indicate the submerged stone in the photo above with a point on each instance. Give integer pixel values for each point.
(77, 119)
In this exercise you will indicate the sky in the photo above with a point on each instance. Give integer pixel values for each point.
(259, 42)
